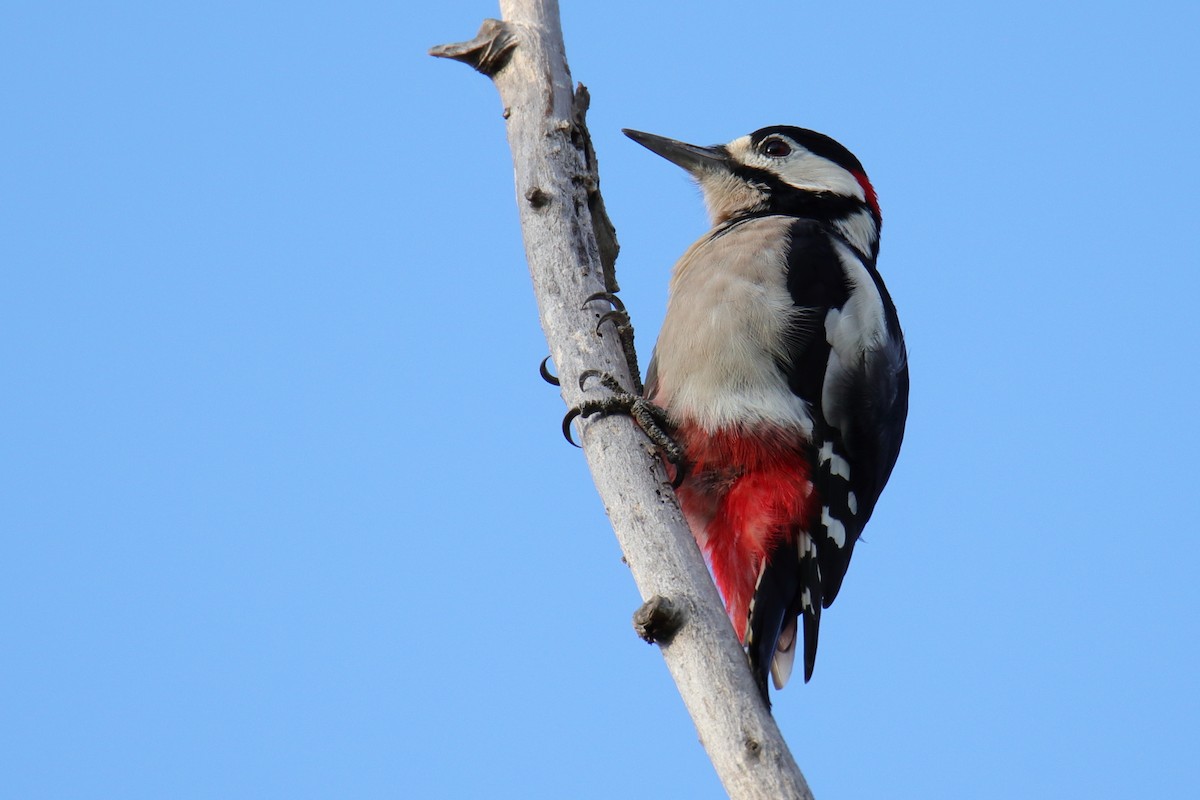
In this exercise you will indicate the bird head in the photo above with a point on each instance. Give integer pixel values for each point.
(775, 170)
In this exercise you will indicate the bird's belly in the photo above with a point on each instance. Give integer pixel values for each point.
(744, 490)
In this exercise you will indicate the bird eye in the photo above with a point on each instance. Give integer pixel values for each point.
(776, 148)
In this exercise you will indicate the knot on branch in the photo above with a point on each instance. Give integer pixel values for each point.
(488, 52)
(537, 198)
(753, 748)
(657, 620)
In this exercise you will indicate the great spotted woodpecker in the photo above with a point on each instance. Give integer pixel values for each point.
(782, 372)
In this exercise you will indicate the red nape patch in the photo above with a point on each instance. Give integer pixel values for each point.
(744, 490)
(868, 193)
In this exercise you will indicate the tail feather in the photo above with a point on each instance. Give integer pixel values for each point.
(789, 587)
(771, 611)
(812, 624)
(811, 602)
(785, 655)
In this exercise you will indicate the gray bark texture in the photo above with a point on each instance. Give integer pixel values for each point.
(571, 249)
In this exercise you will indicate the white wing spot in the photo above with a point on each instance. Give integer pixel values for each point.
(810, 547)
(852, 501)
(837, 465)
(837, 531)
(806, 600)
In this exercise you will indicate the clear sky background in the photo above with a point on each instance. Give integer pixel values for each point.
(285, 509)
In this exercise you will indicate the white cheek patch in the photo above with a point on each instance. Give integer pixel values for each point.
(802, 169)
(807, 171)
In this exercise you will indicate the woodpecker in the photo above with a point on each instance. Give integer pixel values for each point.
(783, 376)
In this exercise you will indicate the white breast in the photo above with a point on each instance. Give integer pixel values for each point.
(728, 318)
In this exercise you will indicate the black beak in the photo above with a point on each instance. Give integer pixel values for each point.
(693, 158)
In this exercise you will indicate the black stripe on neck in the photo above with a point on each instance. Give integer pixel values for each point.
(788, 200)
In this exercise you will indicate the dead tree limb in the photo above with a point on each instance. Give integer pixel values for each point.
(571, 248)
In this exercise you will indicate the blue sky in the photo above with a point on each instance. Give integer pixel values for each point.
(286, 512)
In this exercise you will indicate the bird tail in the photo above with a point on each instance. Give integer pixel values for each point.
(789, 586)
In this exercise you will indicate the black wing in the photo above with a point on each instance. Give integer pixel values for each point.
(851, 461)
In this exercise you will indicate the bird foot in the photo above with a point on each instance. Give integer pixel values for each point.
(619, 317)
(650, 418)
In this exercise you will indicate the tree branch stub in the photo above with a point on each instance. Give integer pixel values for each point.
(488, 52)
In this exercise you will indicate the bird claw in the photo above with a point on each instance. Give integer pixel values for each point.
(589, 407)
(566, 424)
(608, 297)
(544, 371)
(606, 380)
(650, 418)
(619, 318)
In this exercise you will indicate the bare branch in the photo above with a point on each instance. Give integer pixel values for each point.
(562, 218)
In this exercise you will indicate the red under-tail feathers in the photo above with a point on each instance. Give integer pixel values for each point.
(744, 491)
